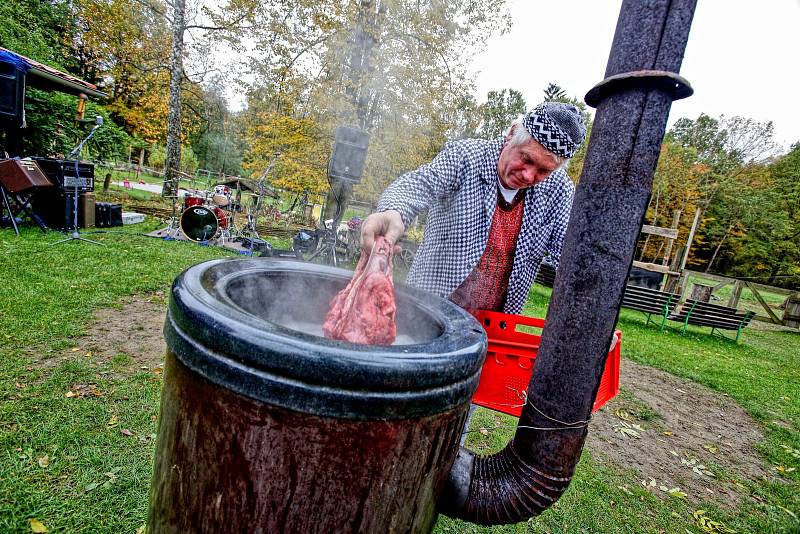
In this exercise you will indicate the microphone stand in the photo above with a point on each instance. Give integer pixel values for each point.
(75, 154)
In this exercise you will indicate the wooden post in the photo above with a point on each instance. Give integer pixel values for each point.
(733, 301)
(676, 218)
(791, 314)
(701, 292)
(691, 237)
(683, 283)
(141, 162)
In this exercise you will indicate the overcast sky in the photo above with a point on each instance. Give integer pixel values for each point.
(742, 58)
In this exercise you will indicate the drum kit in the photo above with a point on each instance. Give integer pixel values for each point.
(210, 215)
(207, 215)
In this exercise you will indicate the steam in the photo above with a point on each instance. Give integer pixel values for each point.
(300, 300)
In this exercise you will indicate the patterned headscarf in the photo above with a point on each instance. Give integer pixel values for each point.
(557, 126)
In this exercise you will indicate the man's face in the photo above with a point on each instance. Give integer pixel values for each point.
(526, 165)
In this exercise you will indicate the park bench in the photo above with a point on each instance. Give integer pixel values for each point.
(546, 275)
(650, 302)
(714, 315)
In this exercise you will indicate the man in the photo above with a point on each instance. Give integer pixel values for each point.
(495, 209)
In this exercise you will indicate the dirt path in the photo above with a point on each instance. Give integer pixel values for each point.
(674, 433)
(689, 435)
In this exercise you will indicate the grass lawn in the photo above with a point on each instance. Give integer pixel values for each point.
(81, 462)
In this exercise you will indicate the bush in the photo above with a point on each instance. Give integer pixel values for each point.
(52, 129)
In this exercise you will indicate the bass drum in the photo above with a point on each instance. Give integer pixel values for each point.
(199, 223)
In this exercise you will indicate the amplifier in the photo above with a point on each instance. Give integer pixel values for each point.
(20, 175)
(62, 173)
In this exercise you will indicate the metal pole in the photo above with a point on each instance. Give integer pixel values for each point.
(633, 104)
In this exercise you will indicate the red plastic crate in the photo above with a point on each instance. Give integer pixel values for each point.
(509, 363)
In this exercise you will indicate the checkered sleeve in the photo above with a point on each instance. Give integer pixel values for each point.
(562, 207)
(414, 191)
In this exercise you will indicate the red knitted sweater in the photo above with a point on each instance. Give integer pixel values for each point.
(485, 287)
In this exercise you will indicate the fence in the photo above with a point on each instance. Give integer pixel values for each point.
(761, 293)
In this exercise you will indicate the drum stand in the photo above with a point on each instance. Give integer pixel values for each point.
(173, 223)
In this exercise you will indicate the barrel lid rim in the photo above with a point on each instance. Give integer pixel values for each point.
(202, 313)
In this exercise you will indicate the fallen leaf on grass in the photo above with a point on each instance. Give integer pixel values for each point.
(90, 487)
(126, 432)
(623, 414)
(710, 447)
(667, 432)
(484, 432)
(158, 370)
(710, 526)
(631, 431)
(698, 468)
(793, 452)
(113, 421)
(37, 526)
(44, 461)
(782, 469)
(677, 493)
(75, 349)
(69, 394)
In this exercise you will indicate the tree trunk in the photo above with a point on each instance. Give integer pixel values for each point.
(719, 246)
(172, 160)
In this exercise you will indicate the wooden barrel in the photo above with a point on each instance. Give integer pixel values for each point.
(267, 427)
(791, 314)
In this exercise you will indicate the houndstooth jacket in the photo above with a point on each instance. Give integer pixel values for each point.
(459, 188)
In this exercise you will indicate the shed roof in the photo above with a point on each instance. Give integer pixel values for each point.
(47, 78)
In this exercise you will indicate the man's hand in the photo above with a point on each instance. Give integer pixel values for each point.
(386, 223)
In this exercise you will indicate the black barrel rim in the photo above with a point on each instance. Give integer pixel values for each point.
(223, 343)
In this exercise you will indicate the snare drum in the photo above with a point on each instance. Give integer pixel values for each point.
(192, 200)
(200, 223)
(222, 195)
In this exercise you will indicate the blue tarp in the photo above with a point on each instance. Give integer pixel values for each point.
(16, 61)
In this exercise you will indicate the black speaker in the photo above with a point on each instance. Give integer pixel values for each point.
(12, 94)
(54, 208)
(349, 153)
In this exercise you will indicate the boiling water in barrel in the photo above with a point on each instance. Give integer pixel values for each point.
(315, 329)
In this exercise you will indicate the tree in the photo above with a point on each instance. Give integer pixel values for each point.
(729, 151)
(38, 30)
(771, 245)
(124, 47)
(554, 93)
(225, 19)
(500, 109)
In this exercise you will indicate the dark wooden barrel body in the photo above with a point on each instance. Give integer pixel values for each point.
(266, 430)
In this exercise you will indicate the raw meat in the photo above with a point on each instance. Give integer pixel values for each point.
(364, 311)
